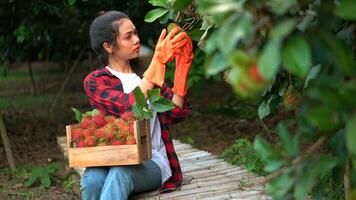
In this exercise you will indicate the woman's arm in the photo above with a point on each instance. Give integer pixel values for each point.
(107, 96)
(147, 85)
(181, 109)
(178, 100)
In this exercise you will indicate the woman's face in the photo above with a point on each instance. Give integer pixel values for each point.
(127, 42)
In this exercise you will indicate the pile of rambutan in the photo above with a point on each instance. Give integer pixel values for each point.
(100, 130)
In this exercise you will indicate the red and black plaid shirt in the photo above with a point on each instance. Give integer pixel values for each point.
(105, 93)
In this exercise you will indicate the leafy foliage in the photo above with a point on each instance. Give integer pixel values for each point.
(242, 153)
(55, 30)
(43, 174)
(157, 103)
(68, 184)
(304, 52)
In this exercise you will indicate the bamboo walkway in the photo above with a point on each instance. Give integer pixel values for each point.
(204, 177)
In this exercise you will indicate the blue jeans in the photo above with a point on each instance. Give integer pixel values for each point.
(118, 182)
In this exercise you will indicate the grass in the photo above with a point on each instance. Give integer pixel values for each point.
(242, 153)
(22, 102)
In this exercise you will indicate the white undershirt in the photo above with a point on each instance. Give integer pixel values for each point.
(159, 155)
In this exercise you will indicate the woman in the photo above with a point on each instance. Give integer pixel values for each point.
(114, 38)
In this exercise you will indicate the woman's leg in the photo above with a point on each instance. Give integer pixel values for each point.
(92, 182)
(121, 181)
(118, 184)
(147, 178)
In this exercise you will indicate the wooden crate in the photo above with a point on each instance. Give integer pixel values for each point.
(113, 155)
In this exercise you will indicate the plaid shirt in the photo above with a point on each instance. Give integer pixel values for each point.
(105, 92)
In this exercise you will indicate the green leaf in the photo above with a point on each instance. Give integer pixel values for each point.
(78, 114)
(93, 112)
(269, 61)
(30, 181)
(45, 180)
(264, 108)
(346, 9)
(71, 2)
(154, 95)
(280, 7)
(343, 57)
(304, 183)
(262, 147)
(141, 112)
(180, 5)
(234, 30)
(137, 111)
(240, 59)
(160, 3)
(268, 154)
(207, 23)
(51, 168)
(169, 15)
(280, 185)
(233, 76)
(35, 173)
(341, 54)
(162, 105)
(347, 94)
(212, 42)
(283, 29)
(323, 117)
(216, 64)
(215, 8)
(331, 98)
(309, 177)
(290, 143)
(147, 114)
(273, 165)
(139, 97)
(313, 72)
(155, 14)
(140, 108)
(350, 131)
(296, 56)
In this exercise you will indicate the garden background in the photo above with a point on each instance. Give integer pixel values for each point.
(272, 86)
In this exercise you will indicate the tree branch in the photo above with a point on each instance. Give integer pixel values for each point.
(315, 146)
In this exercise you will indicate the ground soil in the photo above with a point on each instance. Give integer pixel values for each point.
(217, 120)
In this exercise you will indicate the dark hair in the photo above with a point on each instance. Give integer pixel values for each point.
(103, 29)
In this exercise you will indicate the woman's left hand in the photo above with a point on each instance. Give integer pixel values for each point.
(184, 59)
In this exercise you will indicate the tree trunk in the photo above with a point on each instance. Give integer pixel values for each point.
(47, 65)
(347, 182)
(6, 68)
(33, 84)
(76, 62)
(6, 142)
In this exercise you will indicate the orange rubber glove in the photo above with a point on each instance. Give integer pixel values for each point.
(164, 52)
(184, 59)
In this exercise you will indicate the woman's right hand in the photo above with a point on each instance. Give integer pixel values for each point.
(166, 46)
(164, 52)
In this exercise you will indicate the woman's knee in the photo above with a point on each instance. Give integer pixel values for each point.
(120, 171)
(93, 179)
